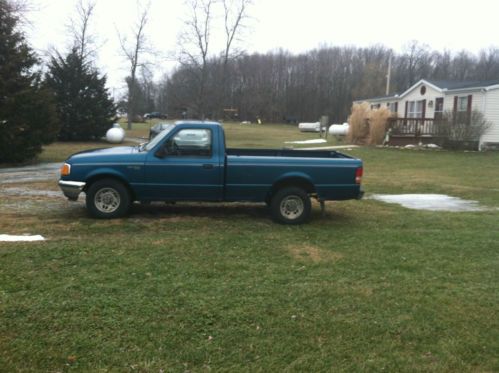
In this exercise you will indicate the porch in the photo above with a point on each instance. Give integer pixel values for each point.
(404, 131)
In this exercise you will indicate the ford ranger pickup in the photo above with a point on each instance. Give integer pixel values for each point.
(188, 161)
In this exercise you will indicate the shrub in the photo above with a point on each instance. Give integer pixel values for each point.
(378, 121)
(462, 130)
(358, 130)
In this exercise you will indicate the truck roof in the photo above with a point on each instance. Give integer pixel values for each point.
(197, 122)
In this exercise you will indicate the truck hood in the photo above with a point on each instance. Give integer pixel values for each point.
(104, 153)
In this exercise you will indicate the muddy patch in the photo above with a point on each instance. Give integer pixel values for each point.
(430, 202)
(40, 172)
(313, 254)
(27, 192)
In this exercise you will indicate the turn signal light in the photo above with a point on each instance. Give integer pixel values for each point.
(358, 175)
(65, 169)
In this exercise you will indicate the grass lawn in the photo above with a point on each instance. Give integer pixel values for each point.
(198, 287)
(249, 136)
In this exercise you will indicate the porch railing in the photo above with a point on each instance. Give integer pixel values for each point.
(415, 127)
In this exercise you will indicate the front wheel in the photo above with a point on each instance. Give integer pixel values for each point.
(291, 206)
(107, 199)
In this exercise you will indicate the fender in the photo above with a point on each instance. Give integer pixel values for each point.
(293, 175)
(293, 178)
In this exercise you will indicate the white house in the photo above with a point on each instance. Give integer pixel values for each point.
(427, 100)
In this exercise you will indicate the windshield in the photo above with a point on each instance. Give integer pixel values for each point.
(158, 138)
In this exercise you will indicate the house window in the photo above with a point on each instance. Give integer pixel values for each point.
(375, 106)
(462, 108)
(415, 109)
(439, 108)
(393, 107)
(462, 103)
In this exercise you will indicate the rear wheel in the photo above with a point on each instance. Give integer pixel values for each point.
(291, 206)
(107, 199)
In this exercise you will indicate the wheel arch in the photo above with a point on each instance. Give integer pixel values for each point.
(292, 180)
(109, 175)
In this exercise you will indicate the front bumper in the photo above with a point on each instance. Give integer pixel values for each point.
(71, 189)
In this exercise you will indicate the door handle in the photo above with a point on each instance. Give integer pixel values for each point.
(208, 166)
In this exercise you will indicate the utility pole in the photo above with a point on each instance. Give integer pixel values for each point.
(388, 74)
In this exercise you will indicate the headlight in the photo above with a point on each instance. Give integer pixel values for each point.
(65, 169)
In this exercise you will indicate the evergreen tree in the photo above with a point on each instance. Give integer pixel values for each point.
(84, 106)
(27, 113)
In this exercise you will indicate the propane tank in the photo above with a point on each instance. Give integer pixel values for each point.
(116, 134)
(309, 127)
(339, 129)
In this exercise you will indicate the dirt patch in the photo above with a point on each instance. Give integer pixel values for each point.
(31, 192)
(40, 172)
(313, 254)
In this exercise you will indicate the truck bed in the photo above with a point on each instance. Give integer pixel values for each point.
(285, 153)
(251, 173)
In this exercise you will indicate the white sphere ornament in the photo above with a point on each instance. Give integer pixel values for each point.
(115, 135)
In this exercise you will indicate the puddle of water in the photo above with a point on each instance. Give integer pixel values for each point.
(430, 202)
(13, 238)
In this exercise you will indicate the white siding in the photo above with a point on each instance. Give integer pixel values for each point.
(476, 100)
(492, 114)
(415, 95)
(380, 103)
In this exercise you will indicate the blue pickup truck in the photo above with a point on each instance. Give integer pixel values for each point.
(188, 161)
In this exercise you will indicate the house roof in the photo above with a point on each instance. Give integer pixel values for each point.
(452, 85)
(379, 98)
(441, 86)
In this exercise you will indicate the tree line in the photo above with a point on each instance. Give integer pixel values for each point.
(280, 86)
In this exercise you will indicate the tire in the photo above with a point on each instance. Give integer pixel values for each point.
(291, 206)
(107, 199)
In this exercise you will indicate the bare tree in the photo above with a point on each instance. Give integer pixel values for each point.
(487, 66)
(194, 43)
(133, 50)
(79, 28)
(235, 13)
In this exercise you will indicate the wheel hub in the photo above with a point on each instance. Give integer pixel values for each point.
(107, 200)
(292, 207)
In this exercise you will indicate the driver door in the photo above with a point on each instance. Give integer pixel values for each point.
(185, 167)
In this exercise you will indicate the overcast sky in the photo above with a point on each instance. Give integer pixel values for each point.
(294, 25)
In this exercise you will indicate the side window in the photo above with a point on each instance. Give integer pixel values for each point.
(190, 143)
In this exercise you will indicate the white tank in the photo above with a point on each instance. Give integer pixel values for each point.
(339, 129)
(115, 135)
(309, 127)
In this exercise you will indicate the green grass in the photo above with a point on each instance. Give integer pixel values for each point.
(251, 136)
(247, 135)
(198, 287)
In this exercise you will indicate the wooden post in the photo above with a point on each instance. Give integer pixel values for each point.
(324, 121)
